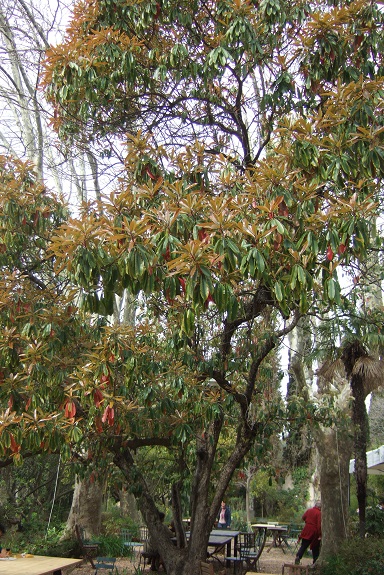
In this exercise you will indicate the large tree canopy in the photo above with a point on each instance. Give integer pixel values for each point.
(253, 169)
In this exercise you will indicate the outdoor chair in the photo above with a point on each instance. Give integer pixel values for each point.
(88, 548)
(144, 534)
(127, 541)
(237, 562)
(250, 550)
(291, 538)
(105, 563)
(148, 557)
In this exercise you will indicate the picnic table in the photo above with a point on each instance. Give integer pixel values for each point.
(278, 533)
(219, 538)
(36, 565)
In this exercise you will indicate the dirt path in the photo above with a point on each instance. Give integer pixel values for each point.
(270, 562)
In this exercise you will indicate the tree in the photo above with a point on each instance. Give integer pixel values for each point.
(25, 123)
(251, 177)
(25, 130)
(42, 331)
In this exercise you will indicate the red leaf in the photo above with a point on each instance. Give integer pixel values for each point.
(15, 447)
(182, 284)
(97, 397)
(150, 174)
(111, 416)
(70, 409)
(105, 414)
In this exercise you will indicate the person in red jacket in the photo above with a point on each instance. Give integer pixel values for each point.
(311, 534)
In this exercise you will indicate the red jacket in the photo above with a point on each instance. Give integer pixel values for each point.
(312, 528)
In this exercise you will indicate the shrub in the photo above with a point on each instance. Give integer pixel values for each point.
(113, 522)
(356, 557)
(111, 546)
(374, 521)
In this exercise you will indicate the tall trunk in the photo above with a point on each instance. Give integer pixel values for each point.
(335, 448)
(360, 422)
(128, 507)
(298, 443)
(352, 353)
(86, 507)
(248, 480)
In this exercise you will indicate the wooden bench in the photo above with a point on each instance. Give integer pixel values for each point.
(292, 569)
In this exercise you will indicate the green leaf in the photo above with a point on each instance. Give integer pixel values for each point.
(301, 276)
(330, 287)
(293, 277)
(188, 322)
(278, 289)
(204, 288)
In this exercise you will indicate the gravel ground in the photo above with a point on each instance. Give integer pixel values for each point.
(270, 562)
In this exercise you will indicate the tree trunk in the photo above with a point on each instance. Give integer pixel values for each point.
(335, 449)
(204, 504)
(86, 507)
(376, 419)
(128, 507)
(298, 444)
(360, 421)
(248, 480)
(353, 353)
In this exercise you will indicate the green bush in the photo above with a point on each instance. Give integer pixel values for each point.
(111, 546)
(51, 544)
(238, 521)
(65, 548)
(374, 521)
(113, 523)
(356, 557)
(41, 543)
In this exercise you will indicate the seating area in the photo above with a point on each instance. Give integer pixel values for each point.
(291, 537)
(105, 563)
(239, 552)
(249, 548)
(137, 545)
(88, 547)
(128, 541)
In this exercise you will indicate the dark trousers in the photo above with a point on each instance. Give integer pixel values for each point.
(305, 543)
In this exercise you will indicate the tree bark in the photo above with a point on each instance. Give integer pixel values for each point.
(86, 507)
(351, 354)
(335, 449)
(128, 507)
(205, 502)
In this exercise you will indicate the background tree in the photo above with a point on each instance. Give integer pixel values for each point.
(42, 331)
(25, 132)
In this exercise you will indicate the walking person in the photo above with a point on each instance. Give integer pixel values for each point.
(224, 517)
(311, 533)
